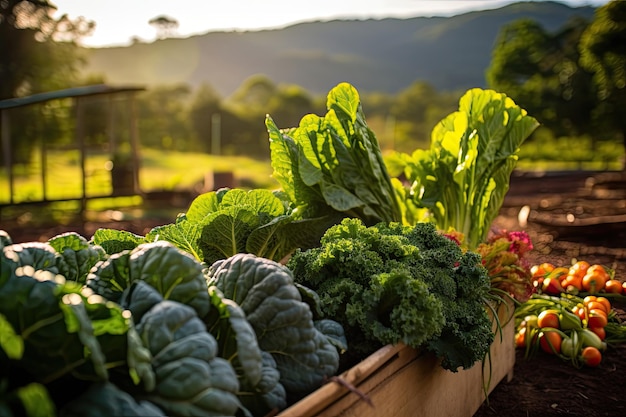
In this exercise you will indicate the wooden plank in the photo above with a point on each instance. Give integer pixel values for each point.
(400, 381)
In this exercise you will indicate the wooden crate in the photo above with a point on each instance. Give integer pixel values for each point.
(401, 381)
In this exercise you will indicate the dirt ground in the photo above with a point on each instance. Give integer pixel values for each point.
(595, 231)
(580, 215)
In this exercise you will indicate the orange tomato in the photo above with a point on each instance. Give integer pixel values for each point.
(613, 286)
(597, 318)
(574, 281)
(579, 268)
(606, 302)
(600, 331)
(591, 356)
(550, 342)
(595, 278)
(520, 338)
(596, 305)
(541, 270)
(548, 318)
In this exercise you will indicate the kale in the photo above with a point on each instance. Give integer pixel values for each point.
(392, 283)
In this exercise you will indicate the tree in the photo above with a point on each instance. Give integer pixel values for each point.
(162, 114)
(165, 26)
(540, 72)
(39, 52)
(289, 105)
(603, 52)
(415, 112)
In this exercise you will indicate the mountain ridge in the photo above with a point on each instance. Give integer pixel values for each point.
(384, 55)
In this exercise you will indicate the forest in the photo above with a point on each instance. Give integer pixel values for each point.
(570, 79)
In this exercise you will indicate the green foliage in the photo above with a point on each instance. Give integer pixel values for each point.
(463, 178)
(283, 323)
(391, 283)
(222, 223)
(153, 332)
(40, 63)
(603, 53)
(78, 256)
(540, 70)
(332, 165)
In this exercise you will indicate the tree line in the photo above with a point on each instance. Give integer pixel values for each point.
(571, 80)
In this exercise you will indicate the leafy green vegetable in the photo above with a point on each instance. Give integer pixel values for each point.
(5, 239)
(191, 379)
(78, 256)
(219, 224)
(32, 400)
(463, 178)
(33, 255)
(115, 241)
(284, 326)
(391, 283)
(104, 399)
(174, 273)
(332, 165)
(260, 390)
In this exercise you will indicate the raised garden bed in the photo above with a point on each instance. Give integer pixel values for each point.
(400, 381)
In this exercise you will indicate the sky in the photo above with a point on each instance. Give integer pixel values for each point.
(118, 21)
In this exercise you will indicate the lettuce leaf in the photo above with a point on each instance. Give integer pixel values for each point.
(333, 165)
(464, 176)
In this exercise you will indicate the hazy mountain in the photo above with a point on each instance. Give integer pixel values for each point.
(374, 55)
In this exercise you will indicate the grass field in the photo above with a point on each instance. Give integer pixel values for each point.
(159, 171)
(178, 171)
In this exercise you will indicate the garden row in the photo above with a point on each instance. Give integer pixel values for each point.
(252, 300)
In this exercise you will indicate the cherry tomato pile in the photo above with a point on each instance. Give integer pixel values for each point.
(579, 278)
(572, 328)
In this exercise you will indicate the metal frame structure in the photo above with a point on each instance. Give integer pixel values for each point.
(78, 94)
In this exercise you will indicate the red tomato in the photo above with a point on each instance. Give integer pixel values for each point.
(600, 331)
(597, 318)
(548, 318)
(580, 311)
(591, 356)
(624, 288)
(613, 286)
(550, 342)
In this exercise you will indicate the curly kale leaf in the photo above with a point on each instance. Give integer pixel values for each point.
(175, 274)
(380, 281)
(397, 308)
(283, 323)
(78, 256)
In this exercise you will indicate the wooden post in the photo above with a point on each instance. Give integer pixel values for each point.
(134, 141)
(80, 138)
(6, 149)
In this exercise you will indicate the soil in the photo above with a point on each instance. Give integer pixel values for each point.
(569, 216)
(580, 216)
